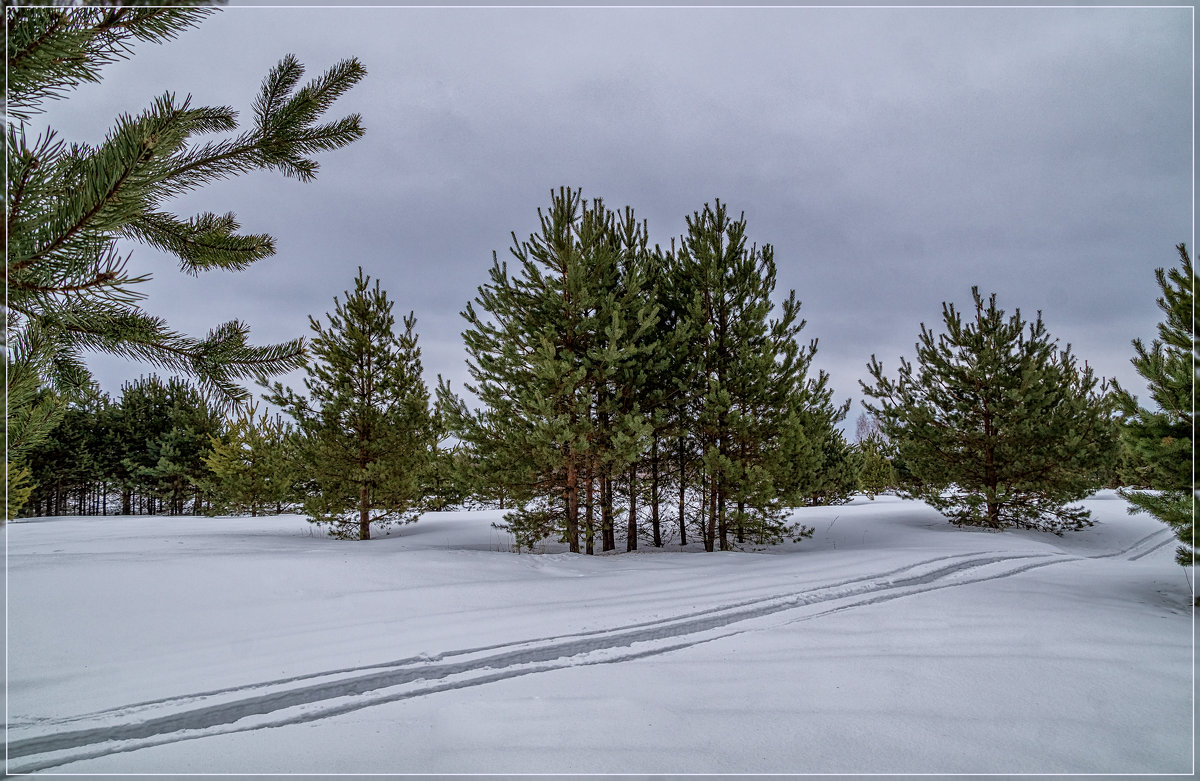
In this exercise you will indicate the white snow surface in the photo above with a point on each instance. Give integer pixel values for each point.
(890, 642)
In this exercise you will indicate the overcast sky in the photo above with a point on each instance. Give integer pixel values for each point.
(894, 157)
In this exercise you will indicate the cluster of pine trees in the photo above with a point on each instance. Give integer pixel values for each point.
(362, 441)
(161, 447)
(627, 391)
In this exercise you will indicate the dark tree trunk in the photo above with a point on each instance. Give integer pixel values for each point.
(607, 533)
(682, 494)
(589, 526)
(571, 495)
(990, 479)
(722, 521)
(364, 513)
(655, 526)
(631, 540)
(710, 525)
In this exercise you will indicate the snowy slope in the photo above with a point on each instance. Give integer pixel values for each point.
(890, 642)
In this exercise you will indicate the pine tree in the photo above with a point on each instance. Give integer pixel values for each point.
(251, 470)
(68, 207)
(996, 426)
(551, 355)
(876, 473)
(748, 386)
(1162, 441)
(447, 480)
(365, 424)
(18, 485)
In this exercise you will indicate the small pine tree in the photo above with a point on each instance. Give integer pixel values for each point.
(365, 424)
(1161, 442)
(876, 473)
(18, 485)
(997, 426)
(250, 469)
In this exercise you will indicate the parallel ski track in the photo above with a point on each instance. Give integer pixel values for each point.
(317, 696)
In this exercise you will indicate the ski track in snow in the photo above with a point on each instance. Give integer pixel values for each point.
(49, 743)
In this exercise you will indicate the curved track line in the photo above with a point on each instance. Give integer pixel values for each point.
(133, 709)
(312, 702)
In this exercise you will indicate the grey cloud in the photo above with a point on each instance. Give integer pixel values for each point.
(893, 157)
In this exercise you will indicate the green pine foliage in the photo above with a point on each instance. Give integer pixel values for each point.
(71, 207)
(250, 463)
(627, 391)
(552, 351)
(18, 485)
(1161, 441)
(876, 472)
(747, 390)
(365, 426)
(816, 464)
(996, 426)
(142, 453)
(449, 476)
(169, 426)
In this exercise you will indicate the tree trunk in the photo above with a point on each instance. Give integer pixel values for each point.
(589, 526)
(631, 534)
(607, 533)
(722, 522)
(364, 512)
(710, 527)
(682, 495)
(990, 479)
(654, 522)
(571, 495)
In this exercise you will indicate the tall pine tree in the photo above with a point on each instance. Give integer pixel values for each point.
(995, 425)
(365, 423)
(551, 351)
(1162, 440)
(747, 381)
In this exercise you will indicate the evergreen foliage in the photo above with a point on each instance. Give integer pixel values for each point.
(18, 485)
(250, 464)
(167, 428)
(551, 352)
(68, 207)
(996, 426)
(875, 454)
(1162, 441)
(748, 387)
(876, 473)
(448, 478)
(617, 380)
(365, 423)
(144, 452)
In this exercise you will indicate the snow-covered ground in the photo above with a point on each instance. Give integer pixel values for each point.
(891, 642)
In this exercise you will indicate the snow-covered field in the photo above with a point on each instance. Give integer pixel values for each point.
(890, 642)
